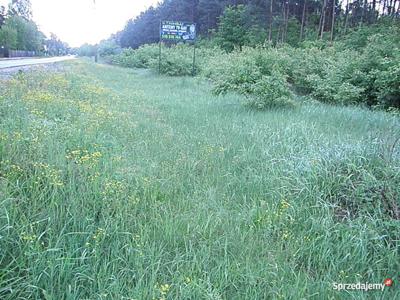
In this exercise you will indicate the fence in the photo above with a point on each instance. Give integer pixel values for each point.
(4, 52)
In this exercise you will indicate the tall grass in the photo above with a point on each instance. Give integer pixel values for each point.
(120, 184)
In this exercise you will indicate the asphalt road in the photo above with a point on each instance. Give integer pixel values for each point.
(12, 63)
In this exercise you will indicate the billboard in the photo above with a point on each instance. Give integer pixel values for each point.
(177, 31)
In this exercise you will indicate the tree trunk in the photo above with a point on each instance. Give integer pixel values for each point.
(270, 21)
(374, 9)
(278, 34)
(390, 8)
(322, 20)
(333, 19)
(394, 8)
(384, 7)
(287, 19)
(346, 19)
(398, 10)
(303, 17)
(282, 25)
(363, 13)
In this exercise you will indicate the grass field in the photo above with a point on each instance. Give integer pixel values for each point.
(121, 184)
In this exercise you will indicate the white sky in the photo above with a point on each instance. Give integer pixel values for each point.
(81, 21)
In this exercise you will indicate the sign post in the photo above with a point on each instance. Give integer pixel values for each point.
(194, 59)
(176, 31)
(159, 53)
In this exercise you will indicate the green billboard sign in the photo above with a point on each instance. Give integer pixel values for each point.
(178, 31)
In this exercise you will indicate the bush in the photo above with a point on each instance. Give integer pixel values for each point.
(136, 58)
(387, 85)
(176, 61)
(236, 71)
(259, 74)
(337, 75)
(87, 50)
(109, 47)
(270, 91)
(378, 71)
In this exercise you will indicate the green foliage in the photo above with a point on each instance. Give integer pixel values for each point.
(136, 58)
(259, 74)
(54, 46)
(8, 37)
(358, 38)
(347, 76)
(292, 34)
(235, 71)
(232, 28)
(22, 8)
(271, 91)
(176, 60)
(256, 36)
(22, 34)
(387, 85)
(2, 15)
(109, 47)
(327, 74)
(87, 50)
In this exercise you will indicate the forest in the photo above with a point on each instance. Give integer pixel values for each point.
(289, 21)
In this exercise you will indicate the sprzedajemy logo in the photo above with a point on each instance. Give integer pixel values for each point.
(363, 286)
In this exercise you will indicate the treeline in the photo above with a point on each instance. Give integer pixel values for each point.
(288, 21)
(19, 32)
(363, 68)
(275, 53)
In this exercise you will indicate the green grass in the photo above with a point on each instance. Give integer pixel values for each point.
(122, 184)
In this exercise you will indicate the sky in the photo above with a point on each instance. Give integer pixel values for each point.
(81, 21)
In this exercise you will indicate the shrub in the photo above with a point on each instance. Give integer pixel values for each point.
(108, 47)
(378, 71)
(338, 75)
(236, 71)
(176, 61)
(387, 84)
(270, 91)
(136, 58)
(259, 74)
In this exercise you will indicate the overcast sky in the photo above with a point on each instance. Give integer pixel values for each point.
(79, 21)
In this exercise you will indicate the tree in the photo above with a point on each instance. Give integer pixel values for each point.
(208, 13)
(109, 47)
(8, 37)
(271, 16)
(22, 8)
(28, 35)
(322, 19)
(333, 19)
(281, 21)
(303, 19)
(54, 46)
(87, 50)
(142, 30)
(232, 28)
(2, 15)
